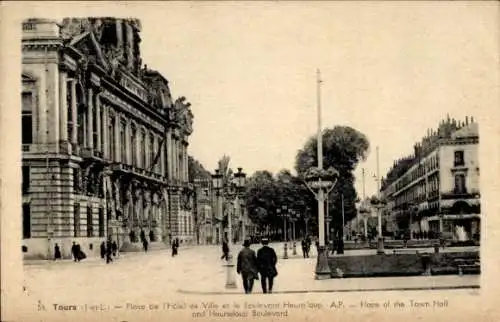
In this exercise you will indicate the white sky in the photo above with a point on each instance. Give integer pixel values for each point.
(391, 70)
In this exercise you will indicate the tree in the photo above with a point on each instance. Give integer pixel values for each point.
(343, 148)
(196, 170)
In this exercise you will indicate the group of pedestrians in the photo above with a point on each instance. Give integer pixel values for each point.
(250, 264)
(76, 252)
(109, 250)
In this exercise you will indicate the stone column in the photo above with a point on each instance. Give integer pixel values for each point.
(148, 160)
(186, 163)
(105, 130)
(63, 107)
(117, 125)
(128, 146)
(98, 121)
(168, 155)
(90, 120)
(137, 146)
(162, 156)
(74, 131)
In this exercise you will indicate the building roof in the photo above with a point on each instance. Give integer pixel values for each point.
(471, 130)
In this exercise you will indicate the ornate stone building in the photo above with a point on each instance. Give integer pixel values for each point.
(436, 190)
(104, 143)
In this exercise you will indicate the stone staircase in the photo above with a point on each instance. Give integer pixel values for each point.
(137, 247)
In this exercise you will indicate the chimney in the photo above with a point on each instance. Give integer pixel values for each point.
(466, 120)
(119, 33)
(472, 119)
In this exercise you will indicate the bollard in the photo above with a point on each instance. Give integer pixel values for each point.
(294, 249)
(285, 256)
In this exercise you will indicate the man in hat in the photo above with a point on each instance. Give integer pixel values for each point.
(266, 261)
(247, 266)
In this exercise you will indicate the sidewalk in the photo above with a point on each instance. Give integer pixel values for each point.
(296, 275)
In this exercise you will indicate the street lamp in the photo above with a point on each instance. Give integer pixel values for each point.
(283, 212)
(218, 185)
(295, 217)
(379, 204)
(364, 211)
(322, 181)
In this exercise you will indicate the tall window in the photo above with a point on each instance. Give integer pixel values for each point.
(90, 224)
(76, 220)
(123, 139)
(111, 138)
(103, 128)
(26, 179)
(134, 145)
(152, 152)
(27, 118)
(101, 222)
(460, 183)
(26, 221)
(76, 180)
(459, 158)
(70, 109)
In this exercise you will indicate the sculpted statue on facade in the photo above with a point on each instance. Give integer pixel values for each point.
(72, 27)
(182, 115)
(114, 55)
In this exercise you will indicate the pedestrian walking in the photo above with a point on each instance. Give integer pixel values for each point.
(109, 252)
(305, 248)
(103, 250)
(114, 248)
(247, 266)
(174, 247)
(225, 250)
(145, 244)
(57, 252)
(266, 263)
(74, 252)
(79, 253)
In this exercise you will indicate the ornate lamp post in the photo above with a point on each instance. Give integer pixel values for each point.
(364, 211)
(283, 212)
(218, 185)
(379, 204)
(295, 217)
(321, 181)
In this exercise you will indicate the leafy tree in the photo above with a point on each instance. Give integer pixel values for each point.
(343, 148)
(196, 170)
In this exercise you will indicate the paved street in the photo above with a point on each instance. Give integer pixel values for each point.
(196, 270)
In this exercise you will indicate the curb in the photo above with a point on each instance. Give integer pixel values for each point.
(430, 288)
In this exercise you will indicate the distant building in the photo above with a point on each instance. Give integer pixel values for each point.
(436, 190)
(206, 233)
(104, 144)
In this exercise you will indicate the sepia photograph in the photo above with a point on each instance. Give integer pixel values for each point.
(263, 160)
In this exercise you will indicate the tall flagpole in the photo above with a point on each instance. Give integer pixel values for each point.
(323, 270)
(321, 196)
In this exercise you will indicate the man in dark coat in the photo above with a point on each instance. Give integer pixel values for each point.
(103, 250)
(247, 266)
(57, 252)
(266, 262)
(174, 247)
(304, 248)
(225, 250)
(114, 248)
(109, 251)
(73, 252)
